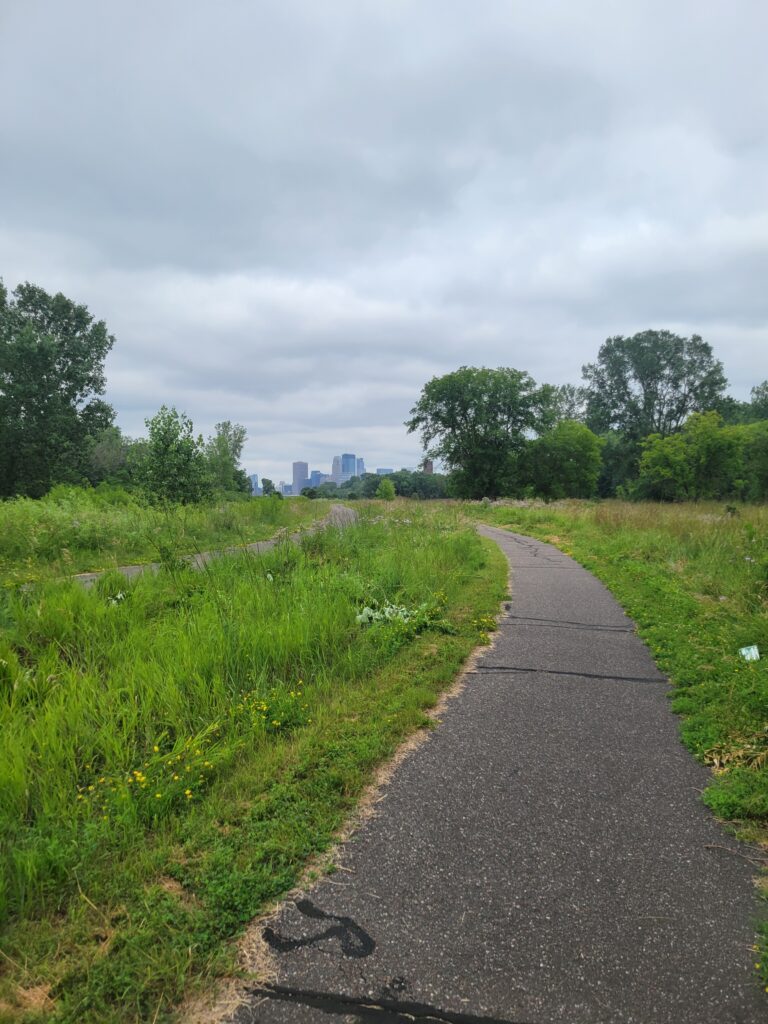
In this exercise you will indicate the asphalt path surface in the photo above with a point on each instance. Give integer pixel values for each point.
(543, 857)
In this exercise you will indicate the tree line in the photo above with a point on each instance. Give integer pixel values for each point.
(56, 428)
(651, 420)
(406, 483)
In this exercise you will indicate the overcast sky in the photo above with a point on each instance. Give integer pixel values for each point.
(293, 213)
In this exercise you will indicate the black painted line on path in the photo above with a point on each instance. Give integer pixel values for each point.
(383, 1011)
(559, 672)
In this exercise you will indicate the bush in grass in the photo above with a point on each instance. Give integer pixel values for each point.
(386, 490)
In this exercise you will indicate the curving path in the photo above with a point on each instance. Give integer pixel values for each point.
(544, 857)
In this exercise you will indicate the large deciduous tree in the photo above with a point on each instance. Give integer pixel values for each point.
(475, 420)
(52, 354)
(651, 383)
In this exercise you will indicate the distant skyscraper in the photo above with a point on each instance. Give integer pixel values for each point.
(336, 469)
(360, 467)
(254, 478)
(348, 466)
(383, 471)
(428, 466)
(316, 478)
(300, 477)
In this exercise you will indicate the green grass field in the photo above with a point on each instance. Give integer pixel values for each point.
(74, 529)
(174, 749)
(695, 579)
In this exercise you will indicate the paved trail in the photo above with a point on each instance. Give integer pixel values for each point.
(542, 858)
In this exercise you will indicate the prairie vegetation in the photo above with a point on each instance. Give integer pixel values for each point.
(74, 529)
(174, 748)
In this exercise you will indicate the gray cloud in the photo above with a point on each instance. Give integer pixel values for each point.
(293, 214)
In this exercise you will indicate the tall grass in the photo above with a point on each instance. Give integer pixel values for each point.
(128, 710)
(75, 529)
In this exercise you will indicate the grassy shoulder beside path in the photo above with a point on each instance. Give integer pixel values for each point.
(75, 529)
(694, 578)
(173, 751)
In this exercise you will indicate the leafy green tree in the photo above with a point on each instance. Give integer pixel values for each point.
(475, 420)
(174, 467)
(402, 480)
(52, 354)
(569, 402)
(733, 411)
(410, 484)
(428, 485)
(755, 441)
(386, 489)
(565, 462)
(267, 486)
(715, 455)
(223, 452)
(619, 464)
(369, 483)
(665, 469)
(651, 383)
(758, 407)
(704, 461)
(108, 460)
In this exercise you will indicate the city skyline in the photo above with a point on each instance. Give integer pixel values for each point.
(304, 475)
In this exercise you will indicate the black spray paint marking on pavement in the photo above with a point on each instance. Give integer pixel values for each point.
(382, 1011)
(355, 941)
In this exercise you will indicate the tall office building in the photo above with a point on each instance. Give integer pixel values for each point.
(254, 478)
(316, 478)
(360, 467)
(348, 466)
(336, 469)
(300, 477)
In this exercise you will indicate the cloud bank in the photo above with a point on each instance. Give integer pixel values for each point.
(292, 214)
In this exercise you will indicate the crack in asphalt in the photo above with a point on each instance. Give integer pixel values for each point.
(559, 672)
(566, 624)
